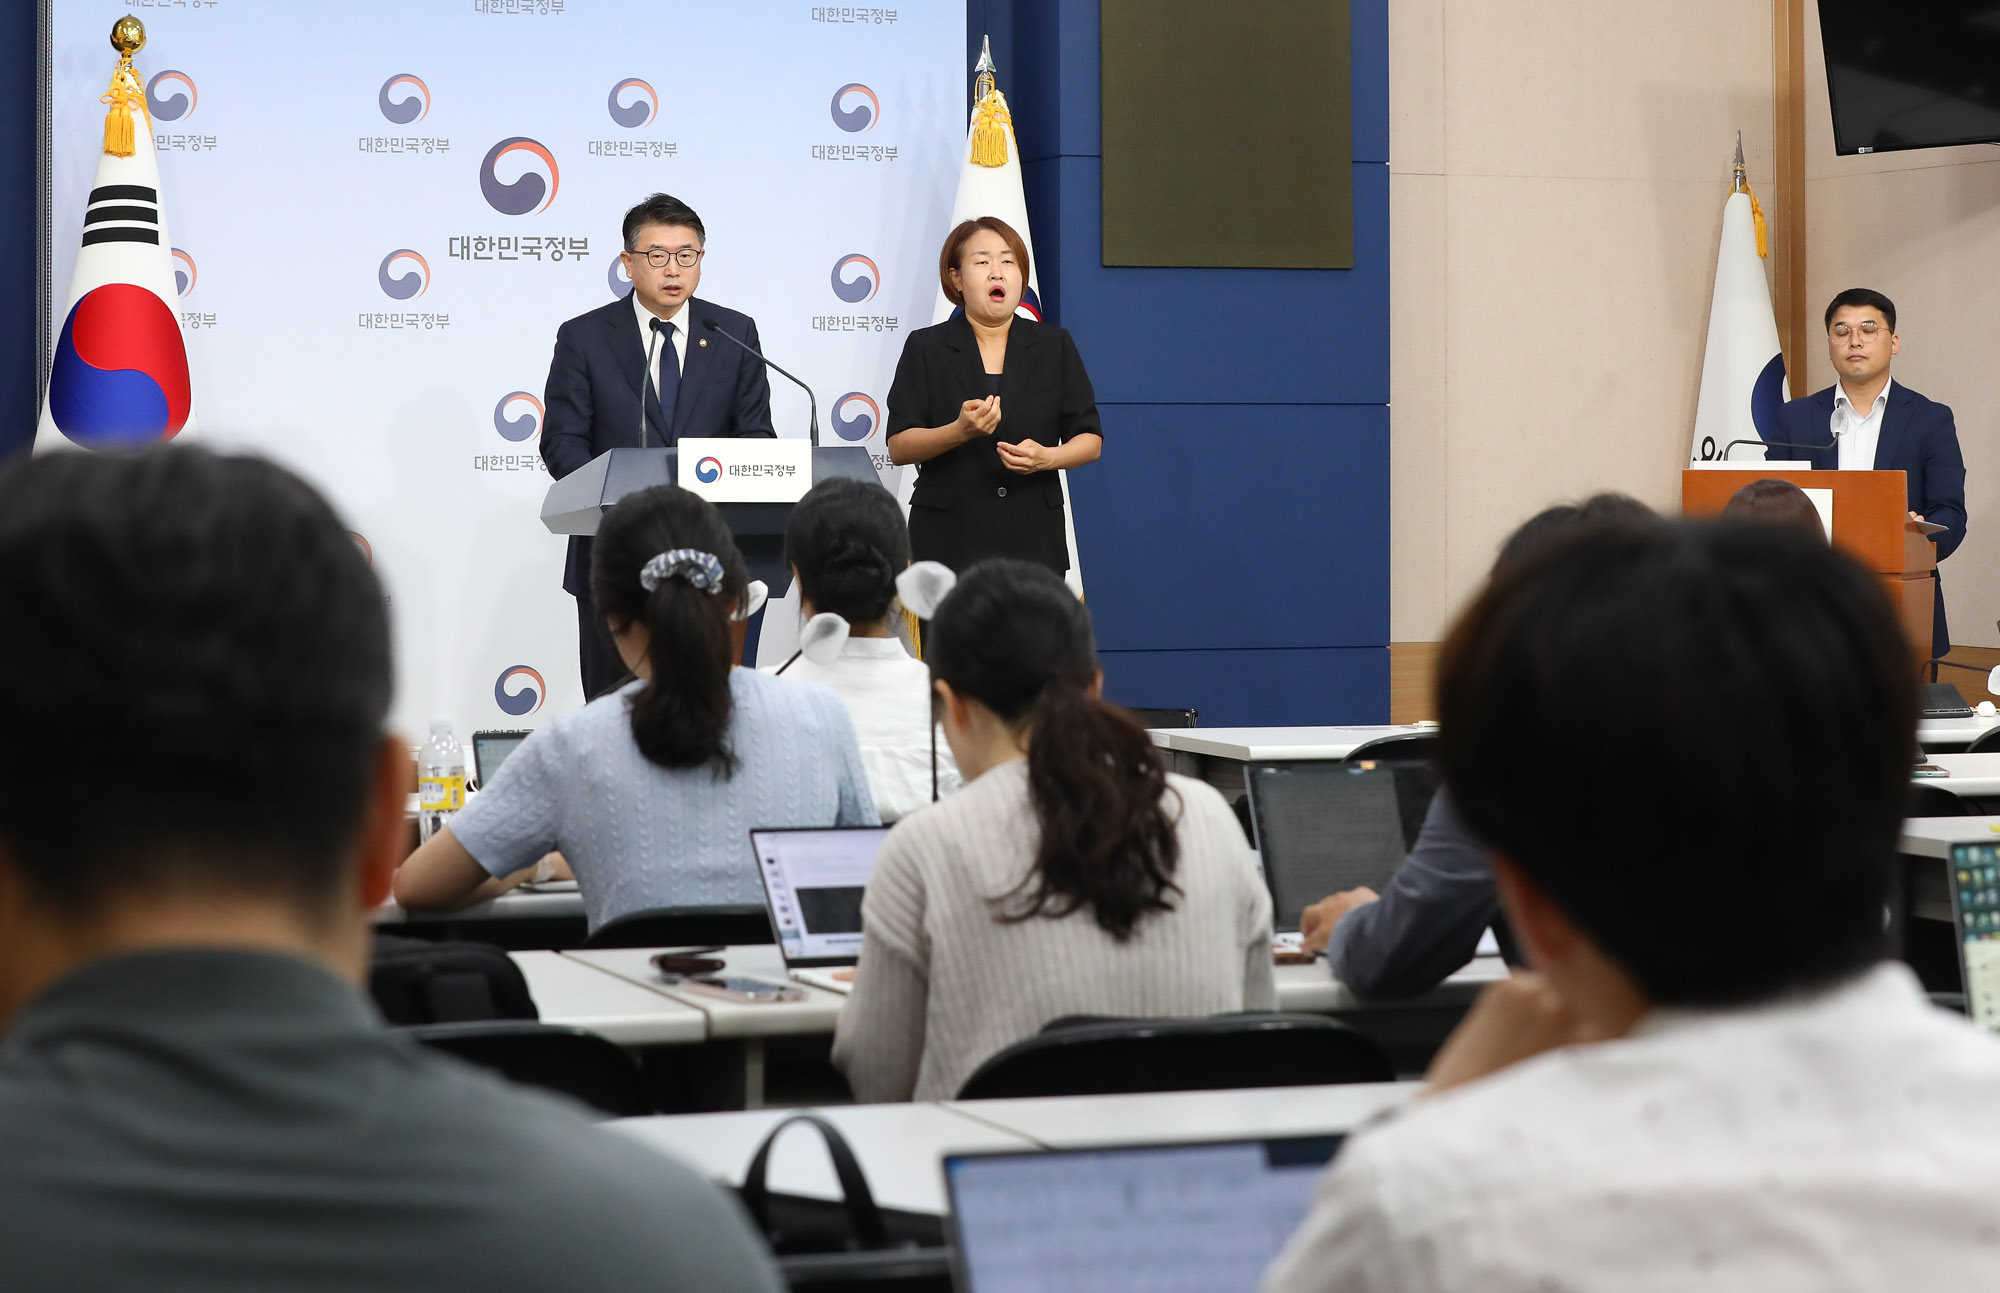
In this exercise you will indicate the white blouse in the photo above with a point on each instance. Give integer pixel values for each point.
(888, 695)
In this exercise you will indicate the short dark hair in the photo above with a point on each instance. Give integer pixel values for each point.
(953, 253)
(1013, 637)
(680, 719)
(1695, 739)
(1863, 298)
(661, 208)
(1777, 501)
(197, 669)
(1543, 527)
(849, 541)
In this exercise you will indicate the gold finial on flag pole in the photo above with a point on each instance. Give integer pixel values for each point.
(1739, 182)
(128, 37)
(989, 135)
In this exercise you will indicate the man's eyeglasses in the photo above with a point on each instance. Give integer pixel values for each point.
(1869, 329)
(685, 257)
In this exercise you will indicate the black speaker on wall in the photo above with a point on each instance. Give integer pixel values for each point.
(1227, 134)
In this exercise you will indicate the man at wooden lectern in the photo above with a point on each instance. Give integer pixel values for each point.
(1867, 422)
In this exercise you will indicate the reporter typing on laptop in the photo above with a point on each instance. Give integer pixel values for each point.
(1072, 874)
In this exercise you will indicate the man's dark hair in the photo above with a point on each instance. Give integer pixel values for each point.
(1779, 502)
(1541, 529)
(849, 541)
(661, 208)
(1695, 739)
(1863, 298)
(197, 671)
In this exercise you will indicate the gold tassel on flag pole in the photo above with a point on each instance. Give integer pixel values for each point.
(1740, 183)
(989, 129)
(128, 37)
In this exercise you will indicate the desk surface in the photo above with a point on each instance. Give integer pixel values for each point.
(567, 991)
(1257, 744)
(1074, 1121)
(901, 1148)
(1932, 837)
(512, 905)
(1971, 774)
(816, 1014)
(1953, 733)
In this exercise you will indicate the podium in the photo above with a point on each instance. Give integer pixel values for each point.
(1871, 523)
(576, 503)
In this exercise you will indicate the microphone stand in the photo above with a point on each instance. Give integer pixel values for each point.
(711, 324)
(652, 342)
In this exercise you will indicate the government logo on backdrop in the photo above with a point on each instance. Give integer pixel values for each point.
(536, 184)
(617, 279)
(362, 546)
(411, 279)
(640, 110)
(184, 96)
(184, 274)
(866, 416)
(518, 416)
(411, 102)
(865, 283)
(708, 470)
(518, 704)
(855, 108)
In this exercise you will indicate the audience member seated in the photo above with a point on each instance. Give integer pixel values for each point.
(1778, 501)
(1441, 900)
(1072, 875)
(650, 791)
(198, 808)
(847, 541)
(1715, 1080)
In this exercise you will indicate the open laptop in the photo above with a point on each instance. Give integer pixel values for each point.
(1323, 828)
(813, 880)
(1208, 1215)
(490, 749)
(1975, 911)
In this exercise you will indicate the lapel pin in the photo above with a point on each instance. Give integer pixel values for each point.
(701, 341)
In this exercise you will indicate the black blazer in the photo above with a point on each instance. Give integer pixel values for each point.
(1918, 439)
(592, 399)
(967, 506)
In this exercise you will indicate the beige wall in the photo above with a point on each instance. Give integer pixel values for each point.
(1924, 228)
(1558, 169)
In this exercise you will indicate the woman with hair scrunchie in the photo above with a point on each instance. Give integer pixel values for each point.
(650, 791)
(1071, 875)
(847, 542)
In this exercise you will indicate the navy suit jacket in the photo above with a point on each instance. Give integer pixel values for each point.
(592, 399)
(1918, 439)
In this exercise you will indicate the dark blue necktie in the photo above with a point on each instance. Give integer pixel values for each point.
(660, 407)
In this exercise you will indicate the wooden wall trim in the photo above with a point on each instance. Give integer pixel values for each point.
(1412, 681)
(1796, 335)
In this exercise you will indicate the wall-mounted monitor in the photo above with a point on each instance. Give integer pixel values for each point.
(1912, 75)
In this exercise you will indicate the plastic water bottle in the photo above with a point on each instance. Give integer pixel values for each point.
(440, 780)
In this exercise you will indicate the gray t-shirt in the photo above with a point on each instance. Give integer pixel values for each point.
(211, 1120)
(638, 835)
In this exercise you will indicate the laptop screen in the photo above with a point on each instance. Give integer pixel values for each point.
(1145, 1218)
(1323, 828)
(490, 750)
(1975, 907)
(813, 881)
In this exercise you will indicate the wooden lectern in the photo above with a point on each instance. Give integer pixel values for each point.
(1871, 523)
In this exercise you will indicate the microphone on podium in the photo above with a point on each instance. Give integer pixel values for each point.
(712, 324)
(1768, 444)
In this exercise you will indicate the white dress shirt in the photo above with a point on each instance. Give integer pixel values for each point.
(1857, 435)
(1849, 1140)
(888, 695)
(659, 352)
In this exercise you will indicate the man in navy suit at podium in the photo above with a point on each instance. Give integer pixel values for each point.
(1867, 422)
(699, 385)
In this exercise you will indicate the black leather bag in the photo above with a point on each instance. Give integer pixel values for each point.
(415, 981)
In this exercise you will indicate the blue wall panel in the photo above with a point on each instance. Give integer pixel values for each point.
(19, 56)
(1256, 688)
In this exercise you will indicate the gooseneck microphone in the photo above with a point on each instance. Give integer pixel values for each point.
(657, 331)
(712, 324)
(1768, 444)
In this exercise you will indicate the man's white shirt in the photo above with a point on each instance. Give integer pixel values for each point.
(657, 349)
(1855, 434)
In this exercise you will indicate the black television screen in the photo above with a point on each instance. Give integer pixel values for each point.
(1911, 73)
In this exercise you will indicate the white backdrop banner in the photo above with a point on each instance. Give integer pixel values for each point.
(382, 209)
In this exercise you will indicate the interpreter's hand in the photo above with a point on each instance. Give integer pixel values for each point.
(1515, 1019)
(979, 417)
(1026, 457)
(1915, 517)
(1317, 921)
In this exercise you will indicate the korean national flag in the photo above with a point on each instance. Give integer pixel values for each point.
(1742, 372)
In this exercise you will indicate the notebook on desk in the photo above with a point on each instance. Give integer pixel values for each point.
(1975, 914)
(813, 881)
(1208, 1215)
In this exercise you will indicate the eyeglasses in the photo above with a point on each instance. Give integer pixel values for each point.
(685, 257)
(1870, 330)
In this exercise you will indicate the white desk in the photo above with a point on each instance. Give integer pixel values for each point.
(1275, 744)
(512, 905)
(1070, 1122)
(1971, 774)
(1312, 989)
(1932, 837)
(901, 1147)
(815, 1014)
(1953, 733)
(582, 996)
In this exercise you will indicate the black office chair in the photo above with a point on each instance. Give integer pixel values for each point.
(570, 1061)
(1164, 717)
(1401, 747)
(686, 927)
(1985, 743)
(1934, 801)
(1216, 1053)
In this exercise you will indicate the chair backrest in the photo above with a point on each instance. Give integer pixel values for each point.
(1934, 801)
(734, 926)
(1216, 1053)
(417, 981)
(1324, 827)
(1164, 717)
(1985, 743)
(575, 1063)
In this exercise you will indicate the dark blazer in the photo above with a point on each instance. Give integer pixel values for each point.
(967, 506)
(1918, 439)
(596, 381)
